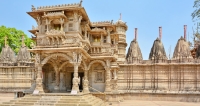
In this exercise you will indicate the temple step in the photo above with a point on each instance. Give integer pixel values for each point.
(56, 100)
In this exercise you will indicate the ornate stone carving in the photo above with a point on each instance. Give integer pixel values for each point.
(54, 55)
(37, 58)
(55, 32)
(96, 61)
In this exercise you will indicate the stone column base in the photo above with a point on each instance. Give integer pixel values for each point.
(107, 88)
(75, 86)
(85, 86)
(39, 86)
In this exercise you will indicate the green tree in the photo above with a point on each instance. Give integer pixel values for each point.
(14, 38)
(196, 12)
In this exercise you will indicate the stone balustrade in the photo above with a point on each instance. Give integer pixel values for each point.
(101, 50)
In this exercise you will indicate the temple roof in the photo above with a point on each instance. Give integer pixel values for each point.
(182, 49)
(157, 50)
(134, 52)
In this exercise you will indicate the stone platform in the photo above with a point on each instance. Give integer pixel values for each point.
(56, 99)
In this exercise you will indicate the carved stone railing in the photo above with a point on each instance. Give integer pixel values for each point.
(101, 51)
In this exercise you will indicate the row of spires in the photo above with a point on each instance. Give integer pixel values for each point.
(8, 55)
(182, 48)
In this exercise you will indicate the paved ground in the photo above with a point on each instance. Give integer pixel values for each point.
(154, 103)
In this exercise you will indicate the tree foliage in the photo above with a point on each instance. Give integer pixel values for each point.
(14, 38)
(196, 12)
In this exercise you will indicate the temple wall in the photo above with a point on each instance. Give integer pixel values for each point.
(159, 78)
(14, 79)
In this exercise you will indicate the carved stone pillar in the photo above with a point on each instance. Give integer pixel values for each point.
(77, 58)
(75, 81)
(57, 79)
(39, 85)
(107, 87)
(108, 37)
(115, 74)
(61, 23)
(86, 82)
(47, 23)
(85, 35)
(101, 38)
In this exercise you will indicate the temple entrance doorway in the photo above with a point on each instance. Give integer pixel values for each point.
(81, 75)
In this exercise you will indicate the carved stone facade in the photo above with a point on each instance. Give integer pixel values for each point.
(73, 54)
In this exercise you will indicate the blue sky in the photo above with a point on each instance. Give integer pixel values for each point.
(146, 15)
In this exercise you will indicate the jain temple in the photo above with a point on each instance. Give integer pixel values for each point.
(76, 60)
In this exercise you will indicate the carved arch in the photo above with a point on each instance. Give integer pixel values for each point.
(54, 55)
(62, 65)
(97, 61)
(84, 65)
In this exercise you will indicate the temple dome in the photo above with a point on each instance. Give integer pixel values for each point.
(157, 51)
(7, 55)
(121, 23)
(134, 53)
(182, 49)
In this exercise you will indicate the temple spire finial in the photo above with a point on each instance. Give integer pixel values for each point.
(136, 34)
(23, 44)
(5, 40)
(185, 31)
(160, 32)
(120, 16)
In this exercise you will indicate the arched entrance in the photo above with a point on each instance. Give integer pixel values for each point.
(97, 75)
(58, 73)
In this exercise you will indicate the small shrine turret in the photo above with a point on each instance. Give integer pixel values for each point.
(182, 49)
(134, 54)
(7, 56)
(157, 53)
(121, 29)
(23, 57)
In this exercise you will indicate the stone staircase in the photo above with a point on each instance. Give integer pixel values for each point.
(56, 100)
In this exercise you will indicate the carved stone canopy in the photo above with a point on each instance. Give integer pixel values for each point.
(134, 52)
(157, 50)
